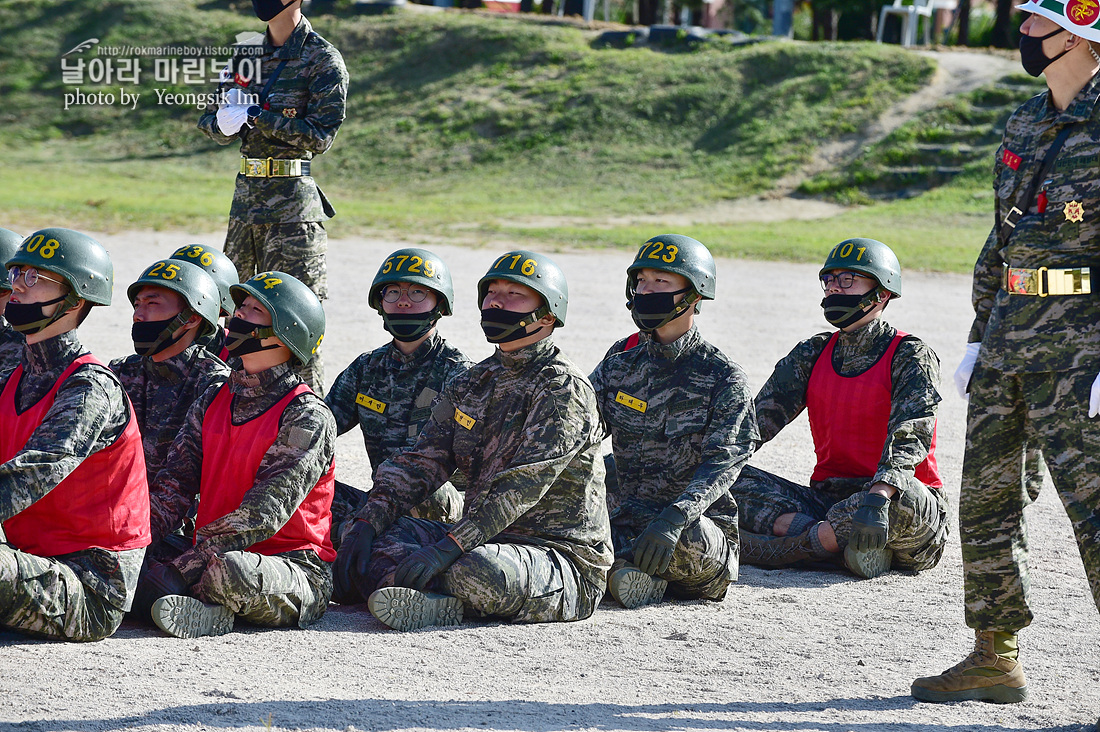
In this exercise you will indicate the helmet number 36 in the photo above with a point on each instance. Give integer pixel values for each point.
(47, 250)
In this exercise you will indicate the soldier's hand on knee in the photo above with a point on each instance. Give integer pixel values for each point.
(353, 559)
(871, 523)
(654, 548)
(426, 563)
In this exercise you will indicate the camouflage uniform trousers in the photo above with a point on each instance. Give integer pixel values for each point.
(45, 597)
(918, 514)
(1005, 410)
(299, 249)
(445, 505)
(523, 583)
(703, 564)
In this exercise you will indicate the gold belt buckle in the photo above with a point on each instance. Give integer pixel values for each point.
(1021, 281)
(257, 167)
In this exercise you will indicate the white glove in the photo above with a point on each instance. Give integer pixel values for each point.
(237, 95)
(1094, 397)
(231, 118)
(966, 368)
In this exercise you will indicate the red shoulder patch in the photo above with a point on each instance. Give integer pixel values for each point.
(1011, 159)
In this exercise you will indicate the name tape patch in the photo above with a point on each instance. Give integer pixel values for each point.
(633, 402)
(464, 419)
(370, 403)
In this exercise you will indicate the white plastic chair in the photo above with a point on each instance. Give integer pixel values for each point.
(910, 18)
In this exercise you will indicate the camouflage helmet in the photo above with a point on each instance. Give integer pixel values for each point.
(680, 255)
(1079, 17)
(188, 280)
(869, 257)
(297, 318)
(217, 265)
(414, 266)
(79, 258)
(536, 271)
(9, 242)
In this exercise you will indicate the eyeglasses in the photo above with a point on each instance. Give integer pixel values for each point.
(415, 294)
(843, 280)
(31, 276)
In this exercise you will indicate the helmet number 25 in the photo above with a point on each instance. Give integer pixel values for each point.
(47, 249)
(654, 251)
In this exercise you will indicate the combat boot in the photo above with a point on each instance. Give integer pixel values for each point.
(188, 617)
(403, 608)
(983, 675)
(868, 563)
(776, 551)
(633, 588)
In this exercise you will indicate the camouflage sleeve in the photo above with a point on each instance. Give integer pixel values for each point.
(291, 467)
(728, 443)
(88, 414)
(989, 266)
(341, 397)
(175, 488)
(316, 131)
(208, 124)
(913, 403)
(558, 427)
(783, 396)
(408, 477)
(596, 378)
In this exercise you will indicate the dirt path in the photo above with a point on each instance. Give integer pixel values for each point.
(794, 651)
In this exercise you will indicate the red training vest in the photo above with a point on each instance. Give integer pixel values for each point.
(104, 503)
(231, 455)
(849, 416)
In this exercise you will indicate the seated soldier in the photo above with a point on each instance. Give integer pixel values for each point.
(389, 392)
(175, 303)
(681, 420)
(258, 451)
(534, 543)
(74, 499)
(870, 393)
(11, 340)
(224, 273)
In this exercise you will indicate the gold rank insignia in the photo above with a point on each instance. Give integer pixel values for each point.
(633, 402)
(372, 404)
(290, 112)
(1074, 211)
(464, 419)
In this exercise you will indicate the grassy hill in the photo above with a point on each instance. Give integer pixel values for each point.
(467, 126)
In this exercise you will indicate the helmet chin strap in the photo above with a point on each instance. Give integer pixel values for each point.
(68, 301)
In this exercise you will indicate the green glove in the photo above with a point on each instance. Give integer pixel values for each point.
(870, 523)
(654, 548)
(352, 562)
(422, 566)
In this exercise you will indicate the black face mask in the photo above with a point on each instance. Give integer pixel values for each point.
(656, 309)
(267, 9)
(843, 310)
(409, 328)
(1032, 57)
(154, 336)
(28, 317)
(244, 337)
(504, 326)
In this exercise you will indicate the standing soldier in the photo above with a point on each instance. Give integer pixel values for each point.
(681, 420)
(1034, 349)
(869, 391)
(258, 452)
(74, 500)
(11, 340)
(534, 544)
(389, 392)
(285, 106)
(174, 304)
(224, 273)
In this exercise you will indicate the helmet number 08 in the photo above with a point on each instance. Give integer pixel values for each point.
(655, 253)
(48, 248)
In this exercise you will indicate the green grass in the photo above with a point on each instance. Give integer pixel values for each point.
(459, 124)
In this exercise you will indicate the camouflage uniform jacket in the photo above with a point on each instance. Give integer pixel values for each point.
(89, 414)
(681, 421)
(11, 346)
(162, 392)
(914, 375)
(306, 108)
(390, 395)
(1021, 333)
(523, 428)
(301, 454)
